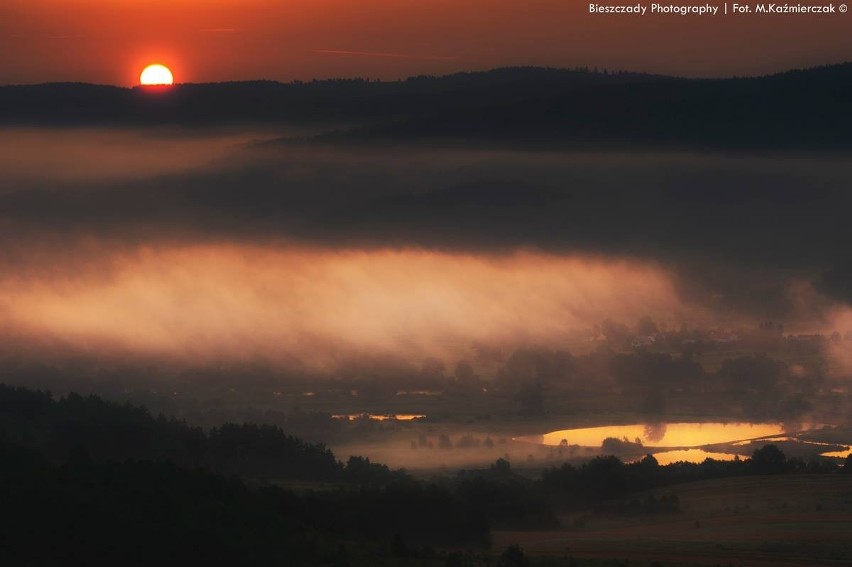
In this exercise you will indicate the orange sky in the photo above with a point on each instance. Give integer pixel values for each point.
(109, 41)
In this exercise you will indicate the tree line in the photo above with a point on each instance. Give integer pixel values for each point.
(86, 482)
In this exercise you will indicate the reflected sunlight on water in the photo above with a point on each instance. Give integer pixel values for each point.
(666, 434)
(779, 439)
(691, 456)
(839, 454)
(379, 417)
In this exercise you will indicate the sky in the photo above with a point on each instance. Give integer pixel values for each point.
(197, 244)
(110, 41)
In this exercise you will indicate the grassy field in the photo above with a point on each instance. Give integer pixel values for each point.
(791, 520)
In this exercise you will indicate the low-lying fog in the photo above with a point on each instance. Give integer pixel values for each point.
(175, 249)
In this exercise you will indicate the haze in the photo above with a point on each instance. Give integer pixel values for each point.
(110, 42)
(216, 248)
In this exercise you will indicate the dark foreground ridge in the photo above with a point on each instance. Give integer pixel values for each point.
(72, 493)
(513, 107)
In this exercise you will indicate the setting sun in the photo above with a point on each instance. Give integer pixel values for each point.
(156, 75)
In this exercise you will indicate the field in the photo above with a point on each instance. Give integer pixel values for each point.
(791, 520)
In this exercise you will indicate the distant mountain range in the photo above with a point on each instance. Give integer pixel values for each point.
(515, 107)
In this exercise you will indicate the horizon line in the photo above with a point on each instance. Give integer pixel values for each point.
(585, 69)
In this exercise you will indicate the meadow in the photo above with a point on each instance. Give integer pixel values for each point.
(790, 520)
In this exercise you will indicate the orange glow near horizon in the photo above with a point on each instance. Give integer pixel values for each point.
(93, 40)
(156, 75)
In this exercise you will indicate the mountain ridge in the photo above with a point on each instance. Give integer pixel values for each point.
(515, 106)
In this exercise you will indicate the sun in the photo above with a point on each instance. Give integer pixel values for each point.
(156, 75)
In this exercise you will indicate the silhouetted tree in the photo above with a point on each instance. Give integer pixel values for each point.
(769, 459)
(646, 326)
(513, 557)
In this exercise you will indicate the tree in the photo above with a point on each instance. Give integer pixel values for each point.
(646, 326)
(769, 459)
(501, 466)
(753, 373)
(513, 557)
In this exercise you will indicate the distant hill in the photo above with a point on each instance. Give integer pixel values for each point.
(527, 107)
(106, 431)
(87, 482)
(343, 100)
(797, 110)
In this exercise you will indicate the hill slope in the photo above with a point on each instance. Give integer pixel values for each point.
(525, 107)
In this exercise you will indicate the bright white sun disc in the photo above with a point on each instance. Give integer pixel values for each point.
(156, 75)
